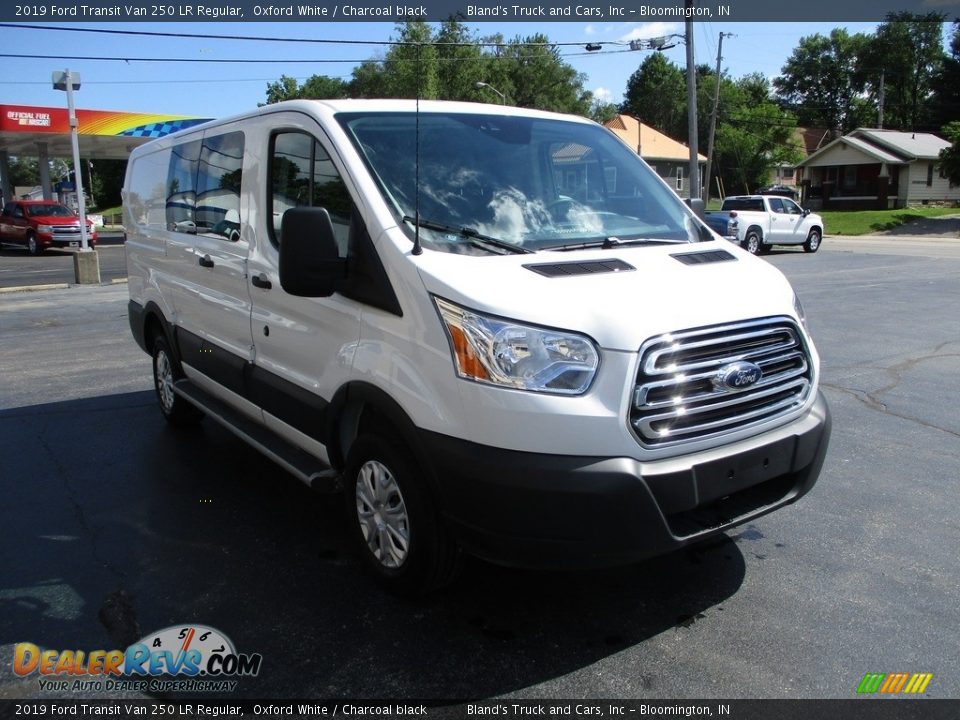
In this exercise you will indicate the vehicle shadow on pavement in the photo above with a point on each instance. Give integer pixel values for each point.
(117, 525)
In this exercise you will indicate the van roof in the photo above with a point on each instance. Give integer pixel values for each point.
(329, 107)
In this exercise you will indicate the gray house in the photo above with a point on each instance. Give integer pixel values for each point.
(876, 169)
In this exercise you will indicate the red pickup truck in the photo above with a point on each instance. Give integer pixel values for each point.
(40, 224)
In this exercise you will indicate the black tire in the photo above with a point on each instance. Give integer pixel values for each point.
(33, 247)
(393, 520)
(166, 371)
(812, 243)
(753, 243)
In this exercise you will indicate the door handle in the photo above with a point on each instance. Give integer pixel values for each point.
(205, 261)
(261, 281)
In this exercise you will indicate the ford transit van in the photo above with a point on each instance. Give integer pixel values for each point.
(493, 330)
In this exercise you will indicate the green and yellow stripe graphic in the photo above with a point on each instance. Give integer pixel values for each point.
(894, 683)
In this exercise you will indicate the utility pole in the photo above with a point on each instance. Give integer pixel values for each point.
(880, 109)
(713, 120)
(692, 108)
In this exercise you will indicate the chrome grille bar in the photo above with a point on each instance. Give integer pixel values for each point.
(679, 395)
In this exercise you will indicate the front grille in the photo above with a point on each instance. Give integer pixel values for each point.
(66, 232)
(679, 395)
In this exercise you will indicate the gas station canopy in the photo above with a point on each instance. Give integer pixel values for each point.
(101, 133)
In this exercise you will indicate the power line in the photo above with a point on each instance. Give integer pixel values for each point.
(96, 58)
(325, 41)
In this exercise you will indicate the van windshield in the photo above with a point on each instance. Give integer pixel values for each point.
(531, 182)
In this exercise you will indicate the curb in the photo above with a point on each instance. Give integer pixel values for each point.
(59, 286)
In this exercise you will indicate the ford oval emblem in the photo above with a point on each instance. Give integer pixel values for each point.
(737, 376)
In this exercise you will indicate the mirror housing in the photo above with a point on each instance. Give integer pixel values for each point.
(310, 262)
(698, 206)
(806, 211)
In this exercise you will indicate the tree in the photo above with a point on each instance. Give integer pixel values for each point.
(24, 172)
(821, 81)
(907, 50)
(754, 135)
(950, 157)
(602, 112)
(656, 95)
(448, 63)
(537, 77)
(316, 87)
(946, 85)
(107, 182)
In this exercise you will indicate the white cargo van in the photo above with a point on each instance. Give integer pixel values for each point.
(495, 330)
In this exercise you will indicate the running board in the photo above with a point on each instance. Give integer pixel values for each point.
(302, 465)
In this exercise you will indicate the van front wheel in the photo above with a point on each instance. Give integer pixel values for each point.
(393, 519)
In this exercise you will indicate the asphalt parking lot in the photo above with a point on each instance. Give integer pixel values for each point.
(114, 525)
(55, 266)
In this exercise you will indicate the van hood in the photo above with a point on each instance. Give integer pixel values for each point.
(58, 220)
(620, 297)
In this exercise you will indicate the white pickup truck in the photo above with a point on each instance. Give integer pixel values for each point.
(758, 221)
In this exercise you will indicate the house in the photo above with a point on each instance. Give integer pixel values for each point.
(669, 159)
(877, 169)
(811, 140)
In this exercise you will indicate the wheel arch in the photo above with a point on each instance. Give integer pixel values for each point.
(360, 408)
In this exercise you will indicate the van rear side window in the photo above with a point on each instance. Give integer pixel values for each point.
(203, 186)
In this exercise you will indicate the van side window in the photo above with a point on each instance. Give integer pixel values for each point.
(302, 175)
(203, 186)
(218, 186)
(182, 188)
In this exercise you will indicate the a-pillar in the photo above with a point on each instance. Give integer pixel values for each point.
(43, 161)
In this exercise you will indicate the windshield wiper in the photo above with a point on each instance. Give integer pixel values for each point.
(468, 233)
(613, 242)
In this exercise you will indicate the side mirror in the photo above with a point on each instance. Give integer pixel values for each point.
(310, 263)
(806, 211)
(698, 206)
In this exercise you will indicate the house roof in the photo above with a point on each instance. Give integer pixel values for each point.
(886, 146)
(813, 138)
(916, 146)
(649, 144)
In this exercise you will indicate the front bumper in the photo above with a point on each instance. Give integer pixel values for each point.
(46, 240)
(558, 511)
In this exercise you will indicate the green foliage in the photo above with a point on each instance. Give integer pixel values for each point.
(656, 95)
(950, 157)
(317, 87)
(754, 135)
(822, 83)
(908, 50)
(602, 112)
(108, 181)
(24, 171)
(448, 63)
(864, 222)
(946, 85)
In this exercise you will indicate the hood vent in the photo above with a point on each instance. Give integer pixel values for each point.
(704, 257)
(591, 267)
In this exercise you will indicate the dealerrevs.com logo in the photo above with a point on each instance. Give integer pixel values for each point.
(180, 658)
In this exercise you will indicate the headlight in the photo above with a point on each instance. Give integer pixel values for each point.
(502, 352)
(45, 229)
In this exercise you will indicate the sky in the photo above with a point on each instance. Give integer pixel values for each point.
(215, 90)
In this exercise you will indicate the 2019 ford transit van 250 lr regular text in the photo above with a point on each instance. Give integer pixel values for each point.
(494, 329)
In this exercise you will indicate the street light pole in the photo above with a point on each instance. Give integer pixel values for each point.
(694, 168)
(88, 269)
(503, 98)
